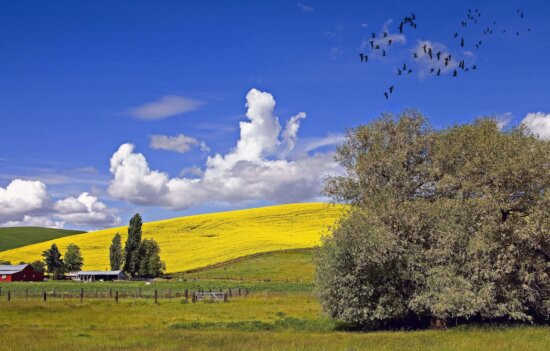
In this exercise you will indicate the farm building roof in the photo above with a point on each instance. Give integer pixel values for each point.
(98, 272)
(11, 269)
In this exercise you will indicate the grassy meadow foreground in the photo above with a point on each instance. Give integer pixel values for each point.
(276, 315)
(193, 242)
(261, 321)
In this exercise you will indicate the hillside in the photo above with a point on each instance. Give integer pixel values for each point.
(13, 237)
(192, 242)
(287, 265)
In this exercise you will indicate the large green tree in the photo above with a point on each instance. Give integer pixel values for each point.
(444, 225)
(131, 249)
(150, 264)
(116, 257)
(53, 261)
(73, 258)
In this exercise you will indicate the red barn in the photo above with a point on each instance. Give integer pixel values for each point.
(20, 273)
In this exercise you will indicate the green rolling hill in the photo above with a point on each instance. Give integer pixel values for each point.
(14, 237)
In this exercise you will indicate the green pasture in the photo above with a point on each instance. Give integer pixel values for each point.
(11, 238)
(288, 265)
(261, 321)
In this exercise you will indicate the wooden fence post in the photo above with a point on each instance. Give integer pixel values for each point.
(9, 296)
(81, 294)
(224, 297)
(44, 295)
(156, 295)
(116, 296)
(110, 292)
(26, 293)
(193, 297)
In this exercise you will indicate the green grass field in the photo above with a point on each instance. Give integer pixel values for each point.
(262, 321)
(287, 265)
(11, 238)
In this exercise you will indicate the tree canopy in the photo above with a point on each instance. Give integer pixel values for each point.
(131, 249)
(72, 259)
(444, 225)
(116, 257)
(53, 261)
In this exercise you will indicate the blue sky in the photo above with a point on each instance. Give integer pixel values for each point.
(83, 81)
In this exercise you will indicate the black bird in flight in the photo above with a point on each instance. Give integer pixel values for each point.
(474, 67)
(410, 71)
(386, 95)
(438, 55)
(385, 34)
(383, 52)
(399, 72)
(455, 73)
(373, 35)
(438, 72)
(404, 67)
(372, 44)
(391, 89)
(424, 47)
(462, 42)
(456, 35)
(432, 70)
(415, 55)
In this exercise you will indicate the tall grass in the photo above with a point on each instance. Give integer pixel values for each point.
(259, 322)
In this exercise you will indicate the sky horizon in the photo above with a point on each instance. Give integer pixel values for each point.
(177, 108)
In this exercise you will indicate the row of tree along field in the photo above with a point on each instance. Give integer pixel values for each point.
(139, 258)
(446, 226)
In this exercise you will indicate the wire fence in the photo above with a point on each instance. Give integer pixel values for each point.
(117, 294)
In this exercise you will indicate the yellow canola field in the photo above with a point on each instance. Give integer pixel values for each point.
(202, 240)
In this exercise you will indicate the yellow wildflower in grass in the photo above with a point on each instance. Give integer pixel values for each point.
(197, 241)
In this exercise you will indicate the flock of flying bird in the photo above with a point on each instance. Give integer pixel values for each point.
(439, 62)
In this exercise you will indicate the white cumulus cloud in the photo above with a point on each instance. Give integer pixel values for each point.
(35, 221)
(21, 197)
(85, 210)
(538, 123)
(28, 203)
(167, 106)
(177, 143)
(255, 169)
